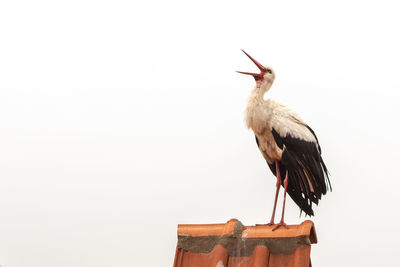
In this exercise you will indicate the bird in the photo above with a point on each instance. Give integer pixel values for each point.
(289, 146)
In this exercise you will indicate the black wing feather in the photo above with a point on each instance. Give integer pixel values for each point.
(308, 175)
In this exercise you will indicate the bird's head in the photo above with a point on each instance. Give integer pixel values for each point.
(266, 75)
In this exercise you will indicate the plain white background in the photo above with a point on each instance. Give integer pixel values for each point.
(121, 119)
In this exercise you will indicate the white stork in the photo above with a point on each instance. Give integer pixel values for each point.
(288, 145)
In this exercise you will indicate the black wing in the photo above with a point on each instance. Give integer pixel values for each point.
(308, 175)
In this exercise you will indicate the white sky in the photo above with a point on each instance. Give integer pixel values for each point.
(121, 119)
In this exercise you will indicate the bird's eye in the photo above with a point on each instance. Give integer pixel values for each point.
(269, 71)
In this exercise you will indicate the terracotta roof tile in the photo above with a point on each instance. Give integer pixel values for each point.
(232, 245)
(207, 229)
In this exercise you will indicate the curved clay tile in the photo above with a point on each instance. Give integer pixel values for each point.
(232, 245)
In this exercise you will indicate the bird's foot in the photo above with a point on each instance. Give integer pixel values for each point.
(279, 225)
(271, 223)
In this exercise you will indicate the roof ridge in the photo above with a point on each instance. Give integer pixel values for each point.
(235, 227)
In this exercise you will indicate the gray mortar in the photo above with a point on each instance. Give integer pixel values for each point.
(237, 246)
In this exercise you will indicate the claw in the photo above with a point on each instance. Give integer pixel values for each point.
(279, 225)
(267, 224)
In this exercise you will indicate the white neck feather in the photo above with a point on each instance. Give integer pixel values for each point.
(255, 112)
(257, 94)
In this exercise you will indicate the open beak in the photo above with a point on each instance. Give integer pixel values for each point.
(256, 76)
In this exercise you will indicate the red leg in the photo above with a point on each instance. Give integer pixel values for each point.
(278, 186)
(282, 222)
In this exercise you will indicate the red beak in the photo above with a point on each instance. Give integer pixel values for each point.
(256, 76)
